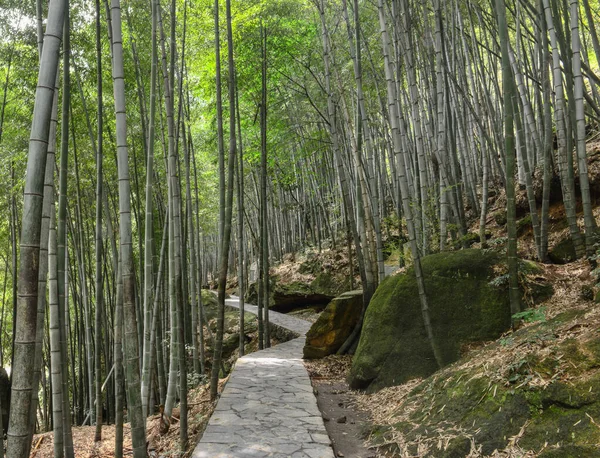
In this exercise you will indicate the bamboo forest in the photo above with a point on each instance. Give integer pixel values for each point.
(299, 228)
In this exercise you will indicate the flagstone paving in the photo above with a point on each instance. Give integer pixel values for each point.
(267, 408)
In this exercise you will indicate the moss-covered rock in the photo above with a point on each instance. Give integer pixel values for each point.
(334, 325)
(536, 389)
(500, 217)
(466, 240)
(563, 252)
(290, 296)
(231, 324)
(209, 298)
(287, 296)
(464, 307)
(523, 225)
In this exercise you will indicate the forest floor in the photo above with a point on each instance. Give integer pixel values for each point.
(349, 416)
(200, 409)
(355, 414)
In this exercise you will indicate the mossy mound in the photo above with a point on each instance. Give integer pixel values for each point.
(464, 307)
(468, 302)
(563, 252)
(209, 298)
(231, 337)
(537, 391)
(334, 325)
(500, 218)
(524, 225)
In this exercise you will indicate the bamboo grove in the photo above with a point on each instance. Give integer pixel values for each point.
(151, 149)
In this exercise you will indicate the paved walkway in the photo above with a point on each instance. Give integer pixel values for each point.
(267, 408)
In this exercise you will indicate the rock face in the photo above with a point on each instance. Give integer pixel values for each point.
(465, 306)
(334, 325)
(563, 252)
(285, 297)
(296, 283)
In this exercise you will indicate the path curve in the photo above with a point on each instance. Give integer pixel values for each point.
(267, 408)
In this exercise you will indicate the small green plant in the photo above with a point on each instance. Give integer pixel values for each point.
(531, 315)
(452, 227)
(500, 281)
(194, 379)
(507, 341)
(499, 241)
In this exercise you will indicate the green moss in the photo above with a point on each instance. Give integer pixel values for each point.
(573, 353)
(563, 252)
(458, 447)
(559, 425)
(566, 316)
(528, 267)
(328, 284)
(547, 366)
(476, 402)
(500, 218)
(209, 299)
(378, 433)
(571, 451)
(230, 344)
(293, 287)
(394, 348)
(466, 240)
(569, 396)
(523, 225)
(497, 419)
(592, 348)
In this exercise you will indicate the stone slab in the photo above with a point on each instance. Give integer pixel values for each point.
(267, 408)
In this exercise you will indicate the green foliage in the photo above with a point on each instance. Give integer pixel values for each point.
(531, 315)
(194, 379)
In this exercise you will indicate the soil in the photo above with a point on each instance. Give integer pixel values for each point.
(345, 423)
(200, 409)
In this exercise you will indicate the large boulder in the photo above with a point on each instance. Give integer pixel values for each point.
(334, 325)
(467, 304)
(305, 279)
(289, 296)
(285, 297)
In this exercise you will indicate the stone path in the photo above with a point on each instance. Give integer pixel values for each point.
(267, 408)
